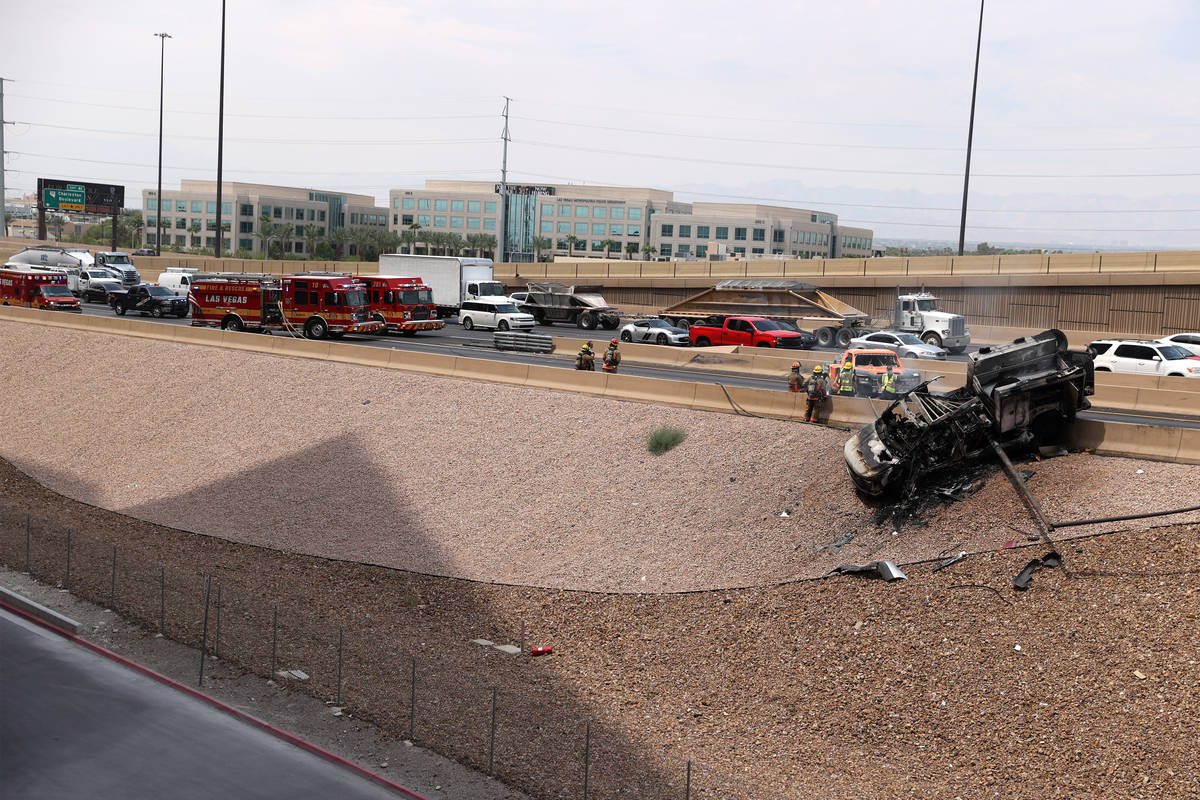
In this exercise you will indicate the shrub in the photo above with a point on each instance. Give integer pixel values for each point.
(663, 439)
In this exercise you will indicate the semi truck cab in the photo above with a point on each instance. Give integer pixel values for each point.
(918, 314)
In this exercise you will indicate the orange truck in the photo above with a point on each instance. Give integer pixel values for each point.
(869, 367)
(317, 306)
(37, 289)
(404, 305)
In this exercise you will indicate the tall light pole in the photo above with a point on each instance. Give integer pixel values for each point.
(158, 202)
(962, 227)
(221, 137)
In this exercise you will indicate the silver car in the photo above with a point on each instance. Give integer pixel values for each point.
(904, 345)
(654, 331)
(1188, 341)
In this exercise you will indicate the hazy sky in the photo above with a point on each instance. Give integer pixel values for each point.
(858, 107)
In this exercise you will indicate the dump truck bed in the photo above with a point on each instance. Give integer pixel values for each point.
(790, 300)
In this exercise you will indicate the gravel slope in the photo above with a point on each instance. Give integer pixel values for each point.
(480, 481)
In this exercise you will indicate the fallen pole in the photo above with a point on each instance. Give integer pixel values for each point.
(1098, 520)
(1045, 527)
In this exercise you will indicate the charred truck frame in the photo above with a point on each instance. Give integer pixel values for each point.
(1016, 395)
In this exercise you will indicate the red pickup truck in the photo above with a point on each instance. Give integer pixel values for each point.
(751, 332)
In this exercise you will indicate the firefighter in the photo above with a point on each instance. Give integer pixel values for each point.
(586, 360)
(845, 378)
(794, 382)
(887, 384)
(818, 393)
(612, 357)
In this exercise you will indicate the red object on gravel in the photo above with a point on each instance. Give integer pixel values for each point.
(542, 650)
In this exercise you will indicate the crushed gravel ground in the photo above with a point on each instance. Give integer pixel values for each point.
(484, 482)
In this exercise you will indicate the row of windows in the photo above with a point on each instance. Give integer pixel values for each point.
(595, 212)
(286, 212)
(856, 242)
(470, 223)
(367, 219)
(197, 206)
(182, 241)
(808, 237)
(425, 204)
(595, 245)
(596, 229)
(739, 234)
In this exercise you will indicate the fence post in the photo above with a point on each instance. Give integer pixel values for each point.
(27, 568)
(112, 594)
(274, 636)
(67, 584)
(492, 743)
(217, 633)
(412, 703)
(587, 758)
(339, 688)
(162, 599)
(204, 633)
(522, 636)
(687, 792)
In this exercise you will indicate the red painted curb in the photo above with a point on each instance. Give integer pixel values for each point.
(303, 744)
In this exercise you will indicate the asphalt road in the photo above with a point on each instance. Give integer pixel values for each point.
(453, 340)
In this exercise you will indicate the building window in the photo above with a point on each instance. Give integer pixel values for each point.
(598, 228)
(777, 237)
(547, 210)
(701, 232)
(152, 204)
(664, 250)
(226, 209)
(181, 223)
(277, 212)
(702, 250)
(456, 222)
(740, 250)
(616, 230)
(423, 204)
(489, 207)
(320, 216)
(489, 224)
(246, 210)
(561, 244)
(423, 220)
(473, 206)
(564, 211)
(633, 230)
(777, 252)
(684, 250)
(181, 241)
(181, 205)
(757, 250)
(266, 211)
(406, 219)
(198, 206)
(151, 222)
(151, 238)
(597, 246)
(635, 213)
(668, 230)
(396, 203)
(685, 231)
(291, 214)
(722, 232)
(739, 234)
(354, 219)
(440, 205)
(581, 211)
(760, 234)
(408, 204)
(456, 205)
(245, 227)
(581, 228)
(473, 223)
(600, 213)
(395, 219)
(564, 227)
(547, 226)
(616, 213)
(439, 222)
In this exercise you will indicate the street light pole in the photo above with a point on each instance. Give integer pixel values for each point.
(158, 202)
(962, 227)
(221, 138)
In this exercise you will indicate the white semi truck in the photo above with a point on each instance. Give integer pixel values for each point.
(452, 279)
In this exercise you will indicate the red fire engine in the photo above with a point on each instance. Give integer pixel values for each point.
(404, 304)
(317, 306)
(38, 289)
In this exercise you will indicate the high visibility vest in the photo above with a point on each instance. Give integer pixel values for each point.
(846, 376)
(888, 382)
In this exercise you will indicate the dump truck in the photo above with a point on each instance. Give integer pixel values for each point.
(576, 305)
(833, 321)
(1016, 395)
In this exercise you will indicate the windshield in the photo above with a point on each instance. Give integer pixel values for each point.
(491, 290)
(55, 291)
(657, 323)
(117, 259)
(506, 308)
(876, 360)
(767, 325)
(927, 305)
(160, 291)
(784, 325)
(907, 338)
(412, 297)
(356, 298)
(1174, 353)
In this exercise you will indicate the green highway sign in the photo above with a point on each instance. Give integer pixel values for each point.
(68, 198)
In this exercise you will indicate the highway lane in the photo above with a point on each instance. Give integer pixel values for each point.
(454, 341)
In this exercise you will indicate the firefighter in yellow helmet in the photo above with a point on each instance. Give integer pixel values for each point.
(586, 360)
(612, 357)
(794, 382)
(818, 393)
(845, 377)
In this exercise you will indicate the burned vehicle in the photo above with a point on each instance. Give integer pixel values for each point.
(1016, 395)
(577, 305)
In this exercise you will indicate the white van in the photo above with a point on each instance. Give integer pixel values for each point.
(178, 279)
(493, 312)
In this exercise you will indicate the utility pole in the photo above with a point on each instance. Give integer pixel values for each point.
(3, 199)
(221, 137)
(962, 227)
(502, 245)
(158, 203)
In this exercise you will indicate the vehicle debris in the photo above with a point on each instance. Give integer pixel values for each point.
(883, 569)
(1017, 395)
(951, 560)
(1025, 577)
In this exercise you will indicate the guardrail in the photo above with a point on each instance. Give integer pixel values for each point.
(523, 342)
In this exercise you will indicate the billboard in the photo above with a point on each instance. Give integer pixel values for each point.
(92, 198)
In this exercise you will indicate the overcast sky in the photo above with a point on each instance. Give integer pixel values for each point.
(858, 107)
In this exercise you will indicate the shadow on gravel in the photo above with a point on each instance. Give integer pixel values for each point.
(282, 611)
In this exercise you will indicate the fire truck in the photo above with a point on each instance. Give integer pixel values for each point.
(315, 306)
(37, 289)
(405, 305)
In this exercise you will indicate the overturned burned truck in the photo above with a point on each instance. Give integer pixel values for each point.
(1016, 395)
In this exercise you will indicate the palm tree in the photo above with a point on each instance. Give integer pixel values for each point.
(608, 245)
(361, 239)
(310, 239)
(649, 250)
(411, 237)
(194, 230)
(339, 237)
(266, 230)
(426, 238)
(572, 240)
(487, 243)
(631, 248)
(57, 222)
(540, 243)
(389, 241)
(284, 233)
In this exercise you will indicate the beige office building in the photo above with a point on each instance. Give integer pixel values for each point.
(623, 222)
(190, 214)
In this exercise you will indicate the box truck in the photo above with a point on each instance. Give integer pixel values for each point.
(452, 279)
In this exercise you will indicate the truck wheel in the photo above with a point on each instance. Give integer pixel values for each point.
(232, 323)
(544, 321)
(156, 312)
(957, 350)
(825, 336)
(702, 341)
(611, 323)
(587, 322)
(316, 328)
(683, 323)
(120, 309)
(843, 338)
(932, 339)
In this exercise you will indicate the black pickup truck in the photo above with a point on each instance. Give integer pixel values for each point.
(157, 301)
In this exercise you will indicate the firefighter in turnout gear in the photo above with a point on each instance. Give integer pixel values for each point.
(887, 384)
(586, 360)
(818, 393)
(845, 378)
(612, 357)
(794, 383)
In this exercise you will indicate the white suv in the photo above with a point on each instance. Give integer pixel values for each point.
(1146, 358)
(493, 312)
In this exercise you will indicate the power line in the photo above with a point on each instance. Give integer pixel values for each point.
(252, 171)
(355, 142)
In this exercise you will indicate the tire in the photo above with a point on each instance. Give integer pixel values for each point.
(625, 337)
(156, 312)
(611, 323)
(683, 323)
(544, 321)
(1175, 375)
(503, 325)
(120, 309)
(467, 324)
(1102, 369)
(587, 322)
(182, 314)
(661, 339)
(843, 338)
(957, 351)
(232, 323)
(825, 336)
(316, 328)
(763, 344)
(702, 341)
(932, 339)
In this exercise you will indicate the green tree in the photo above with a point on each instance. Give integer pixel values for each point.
(284, 233)
(410, 237)
(57, 221)
(540, 243)
(608, 245)
(572, 240)
(631, 249)
(194, 230)
(649, 250)
(323, 252)
(340, 237)
(487, 244)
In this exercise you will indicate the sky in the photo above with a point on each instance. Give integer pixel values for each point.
(1087, 124)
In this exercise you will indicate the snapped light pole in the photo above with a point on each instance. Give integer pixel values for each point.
(162, 63)
(502, 244)
(962, 226)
